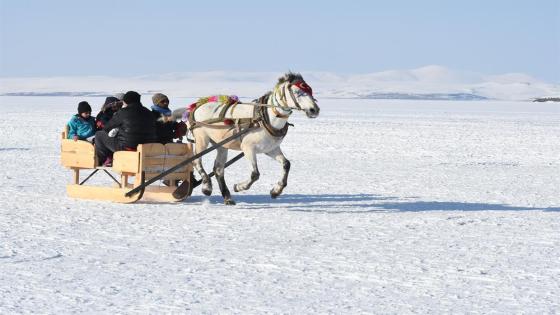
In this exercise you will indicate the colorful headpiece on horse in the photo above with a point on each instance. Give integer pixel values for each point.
(304, 87)
(297, 80)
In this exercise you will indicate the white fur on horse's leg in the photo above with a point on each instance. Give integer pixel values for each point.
(206, 181)
(201, 144)
(219, 165)
(279, 186)
(252, 157)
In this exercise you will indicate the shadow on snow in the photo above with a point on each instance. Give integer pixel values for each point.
(13, 149)
(359, 203)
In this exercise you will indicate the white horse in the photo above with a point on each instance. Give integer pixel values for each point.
(214, 121)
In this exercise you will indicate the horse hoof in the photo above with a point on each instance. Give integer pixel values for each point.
(274, 193)
(207, 192)
(229, 202)
(235, 188)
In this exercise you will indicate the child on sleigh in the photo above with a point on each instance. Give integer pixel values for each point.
(82, 126)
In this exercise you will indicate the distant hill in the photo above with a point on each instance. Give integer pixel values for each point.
(426, 96)
(105, 94)
(547, 99)
(427, 83)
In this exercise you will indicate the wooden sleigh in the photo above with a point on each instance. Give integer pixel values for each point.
(147, 162)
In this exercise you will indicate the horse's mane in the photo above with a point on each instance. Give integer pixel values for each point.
(263, 98)
(290, 77)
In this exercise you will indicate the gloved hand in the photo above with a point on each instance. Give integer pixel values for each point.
(113, 132)
(180, 129)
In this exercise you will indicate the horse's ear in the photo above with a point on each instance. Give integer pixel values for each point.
(293, 76)
(284, 78)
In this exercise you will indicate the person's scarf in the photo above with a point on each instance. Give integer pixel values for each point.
(161, 110)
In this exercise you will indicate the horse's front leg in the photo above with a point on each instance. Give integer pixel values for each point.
(250, 155)
(201, 144)
(279, 186)
(219, 166)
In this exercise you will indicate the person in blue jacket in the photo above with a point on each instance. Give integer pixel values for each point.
(82, 126)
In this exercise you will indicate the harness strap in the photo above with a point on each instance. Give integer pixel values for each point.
(233, 107)
(224, 110)
(199, 103)
(278, 114)
(278, 133)
(282, 97)
(293, 97)
(260, 119)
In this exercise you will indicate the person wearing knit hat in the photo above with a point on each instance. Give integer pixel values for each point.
(166, 127)
(110, 107)
(83, 107)
(161, 100)
(82, 126)
(135, 125)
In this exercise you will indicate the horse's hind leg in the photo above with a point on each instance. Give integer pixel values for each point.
(279, 156)
(219, 165)
(252, 157)
(201, 144)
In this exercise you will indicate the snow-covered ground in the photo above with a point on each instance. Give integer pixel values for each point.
(391, 207)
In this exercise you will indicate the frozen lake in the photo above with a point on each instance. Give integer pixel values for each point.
(391, 207)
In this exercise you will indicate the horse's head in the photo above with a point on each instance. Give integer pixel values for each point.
(298, 94)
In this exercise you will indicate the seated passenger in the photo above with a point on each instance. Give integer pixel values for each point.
(109, 108)
(129, 127)
(82, 126)
(166, 127)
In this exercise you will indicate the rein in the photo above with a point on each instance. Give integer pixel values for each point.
(269, 105)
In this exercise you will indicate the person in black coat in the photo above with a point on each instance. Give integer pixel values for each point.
(109, 108)
(166, 127)
(129, 127)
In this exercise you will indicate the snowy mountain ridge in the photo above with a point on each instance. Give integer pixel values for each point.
(430, 82)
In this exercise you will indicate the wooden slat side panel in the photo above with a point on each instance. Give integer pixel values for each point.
(151, 149)
(171, 161)
(78, 160)
(152, 165)
(153, 161)
(126, 161)
(177, 153)
(179, 149)
(79, 146)
(172, 176)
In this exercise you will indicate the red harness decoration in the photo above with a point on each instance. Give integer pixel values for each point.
(191, 107)
(304, 87)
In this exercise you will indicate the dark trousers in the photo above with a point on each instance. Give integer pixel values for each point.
(104, 146)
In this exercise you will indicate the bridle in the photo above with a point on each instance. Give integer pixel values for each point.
(279, 97)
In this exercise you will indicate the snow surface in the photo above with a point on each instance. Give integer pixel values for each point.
(391, 207)
(421, 82)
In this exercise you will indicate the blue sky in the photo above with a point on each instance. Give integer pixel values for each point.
(53, 38)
